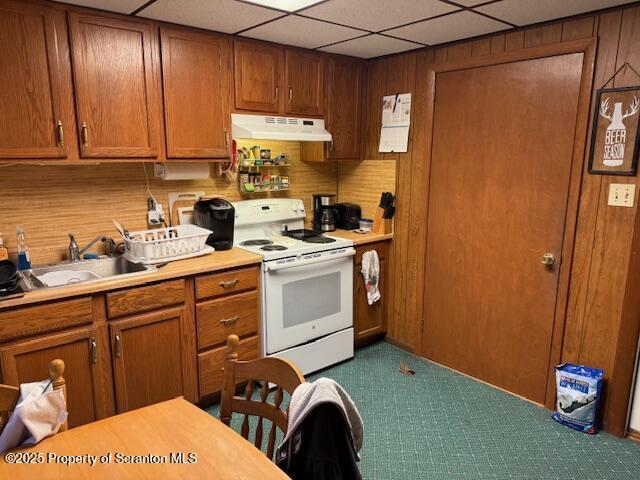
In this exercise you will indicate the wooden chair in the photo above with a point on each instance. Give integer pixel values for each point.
(9, 394)
(284, 374)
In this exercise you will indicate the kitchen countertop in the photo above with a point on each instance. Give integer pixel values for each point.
(361, 238)
(236, 257)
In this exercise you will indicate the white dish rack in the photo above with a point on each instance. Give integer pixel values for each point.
(162, 245)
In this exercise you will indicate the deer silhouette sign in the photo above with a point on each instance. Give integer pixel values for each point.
(615, 137)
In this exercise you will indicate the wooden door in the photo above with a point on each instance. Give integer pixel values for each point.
(344, 87)
(87, 372)
(502, 149)
(116, 84)
(196, 71)
(147, 358)
(305, 82)
(259, 70)
(37, 105)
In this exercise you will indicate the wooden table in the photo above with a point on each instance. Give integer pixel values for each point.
(169, 427)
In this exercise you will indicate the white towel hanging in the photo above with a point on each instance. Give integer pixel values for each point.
(371, 273)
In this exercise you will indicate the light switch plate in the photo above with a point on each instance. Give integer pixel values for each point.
(622, 195)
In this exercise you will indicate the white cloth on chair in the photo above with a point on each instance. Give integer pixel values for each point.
(39, 413)
(371, 273)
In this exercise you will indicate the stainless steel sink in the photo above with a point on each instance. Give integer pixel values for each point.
(83, 271)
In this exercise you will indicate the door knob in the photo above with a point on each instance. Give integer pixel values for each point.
(548, 259)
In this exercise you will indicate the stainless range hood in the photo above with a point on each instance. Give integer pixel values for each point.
(269, 127)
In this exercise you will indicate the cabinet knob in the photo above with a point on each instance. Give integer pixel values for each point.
(94, 351)
(277, 94)
(118, 346)
(85, 134)
(548, 259)
(229, 284)
(230, 321)
(60, 134)
(290, 94)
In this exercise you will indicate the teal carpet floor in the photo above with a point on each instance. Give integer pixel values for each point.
(442, 425)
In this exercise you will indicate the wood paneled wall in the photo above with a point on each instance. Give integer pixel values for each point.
(603, 308)
(50, 201)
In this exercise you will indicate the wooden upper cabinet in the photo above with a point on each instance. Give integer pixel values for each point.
(305, 82)
(259, 70)
(37, 103)
(116, 86)
(196, 71)
(344, 106)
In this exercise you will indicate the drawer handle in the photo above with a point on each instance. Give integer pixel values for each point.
(229, 284)
(230, 321)
(118, 345)
(94, 351)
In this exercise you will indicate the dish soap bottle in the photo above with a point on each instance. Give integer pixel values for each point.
(4, 255)
(23, 251)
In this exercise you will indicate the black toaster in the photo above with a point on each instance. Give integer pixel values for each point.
(348, 216)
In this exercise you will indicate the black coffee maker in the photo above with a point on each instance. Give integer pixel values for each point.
(217, 215)
(325, 214)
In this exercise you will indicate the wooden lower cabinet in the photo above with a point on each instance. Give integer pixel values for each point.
(147, 354)
(87, 369)
(369, 320)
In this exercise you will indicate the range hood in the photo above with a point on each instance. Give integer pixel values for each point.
(269, 127)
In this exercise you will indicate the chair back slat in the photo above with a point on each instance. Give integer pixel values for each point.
(248, 393)
(272, 433)
(279, 372)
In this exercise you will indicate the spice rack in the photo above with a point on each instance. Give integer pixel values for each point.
(259, 179)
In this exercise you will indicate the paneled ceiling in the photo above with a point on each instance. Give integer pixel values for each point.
(361, 28)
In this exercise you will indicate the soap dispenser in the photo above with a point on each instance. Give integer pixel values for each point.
(24, 263)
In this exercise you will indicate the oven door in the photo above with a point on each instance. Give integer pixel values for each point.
(307, 298)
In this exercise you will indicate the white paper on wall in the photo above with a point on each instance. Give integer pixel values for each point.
(396, 118)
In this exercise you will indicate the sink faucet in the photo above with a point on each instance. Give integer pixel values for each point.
(75, 252)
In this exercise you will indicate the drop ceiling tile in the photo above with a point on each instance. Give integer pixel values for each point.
(286, 5)
(525, 12)
(302, 32)
(376, 15)
(371, 46)
(448, 28)
(119, 6)
(226, 16)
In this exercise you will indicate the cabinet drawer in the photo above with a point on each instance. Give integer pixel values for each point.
(226, 283)
(22, 322)
(211, 363)
(143, 299)
(217, 319)
(380, 247)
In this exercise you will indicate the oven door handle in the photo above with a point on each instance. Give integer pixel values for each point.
(311, 261)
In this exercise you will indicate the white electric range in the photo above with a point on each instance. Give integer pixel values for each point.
(307, 283)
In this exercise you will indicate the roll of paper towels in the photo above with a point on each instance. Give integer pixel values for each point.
(182, 171)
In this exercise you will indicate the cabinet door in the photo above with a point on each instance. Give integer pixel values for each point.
(368, 320)
(87, 370)
(116, 84)
(258, 76)
(35, 85)
(196, 77)
(305, 82)
(344, 84)
(147, 358)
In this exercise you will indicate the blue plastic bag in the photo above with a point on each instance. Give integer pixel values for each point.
(577, 393)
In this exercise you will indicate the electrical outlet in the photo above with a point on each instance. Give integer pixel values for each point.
(622, 195)
(155, 212)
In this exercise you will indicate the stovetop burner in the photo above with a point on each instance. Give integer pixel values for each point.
(271, 248)
(302, 233)
(318, 239)
(256, 243)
